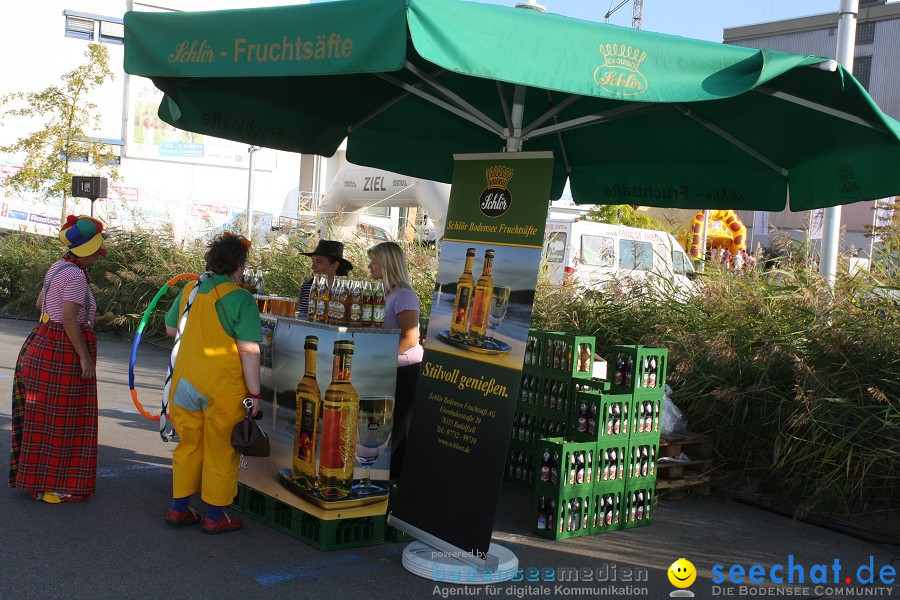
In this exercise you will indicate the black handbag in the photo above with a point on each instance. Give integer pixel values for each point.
(248, 439)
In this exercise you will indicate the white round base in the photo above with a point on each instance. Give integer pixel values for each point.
(441, 567)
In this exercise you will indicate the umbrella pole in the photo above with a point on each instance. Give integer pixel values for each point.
(514, 141)
(831, 228)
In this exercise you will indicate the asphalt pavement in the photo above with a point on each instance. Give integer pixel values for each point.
(117, 545)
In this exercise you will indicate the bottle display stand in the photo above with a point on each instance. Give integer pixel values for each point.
(263, 494)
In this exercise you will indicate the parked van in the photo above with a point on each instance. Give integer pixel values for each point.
(590, 254)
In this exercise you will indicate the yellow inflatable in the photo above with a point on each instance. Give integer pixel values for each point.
(725, 230)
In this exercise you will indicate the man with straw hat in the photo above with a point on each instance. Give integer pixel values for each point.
(54, 405)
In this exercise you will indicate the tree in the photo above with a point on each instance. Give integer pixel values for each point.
(68, 117)
(622, 214)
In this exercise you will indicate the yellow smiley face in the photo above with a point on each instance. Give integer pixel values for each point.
(682, 573)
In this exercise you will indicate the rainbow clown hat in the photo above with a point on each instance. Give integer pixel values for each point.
(82, 235)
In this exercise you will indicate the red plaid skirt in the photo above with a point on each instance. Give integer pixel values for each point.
(54, 415)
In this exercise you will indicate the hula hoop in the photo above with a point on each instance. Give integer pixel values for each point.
(137, 340)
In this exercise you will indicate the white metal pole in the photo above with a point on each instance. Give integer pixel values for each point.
(703, 238)
(874, 225)
(251, 150)
(831, 226)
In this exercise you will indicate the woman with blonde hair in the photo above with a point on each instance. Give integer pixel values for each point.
(388, 263)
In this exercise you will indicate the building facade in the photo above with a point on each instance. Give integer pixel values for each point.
(877, 68)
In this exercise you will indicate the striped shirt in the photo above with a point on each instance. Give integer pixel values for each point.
(68, 284)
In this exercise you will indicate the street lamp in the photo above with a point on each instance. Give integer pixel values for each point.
(251, 150)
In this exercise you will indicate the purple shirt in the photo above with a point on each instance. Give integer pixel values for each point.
(398, 300)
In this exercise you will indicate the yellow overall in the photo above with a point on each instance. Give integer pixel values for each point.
(205, 403)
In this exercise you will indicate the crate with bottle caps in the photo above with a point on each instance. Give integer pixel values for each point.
(641, 458)
(534, 347)
(639, 370)
(564, 465)
(607, 502)
(563, 515)
(521, 464)
(568, 355)
(598, 416)
(638, 503)
(555, 397)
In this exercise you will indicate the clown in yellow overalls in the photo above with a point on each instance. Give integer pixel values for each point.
(205, 402)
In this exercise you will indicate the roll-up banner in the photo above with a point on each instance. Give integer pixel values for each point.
(450, 483)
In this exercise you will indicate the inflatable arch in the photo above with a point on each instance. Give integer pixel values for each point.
(726, 230)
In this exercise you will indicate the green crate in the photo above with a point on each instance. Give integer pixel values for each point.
(598, 416)
(238, 502)
(534, 347)
(638, 503)
(556, 397)
(568, 355)
(553, 426)
(612, 462)
(525, 426)
(565, 515)
(641, 459)
(646, 415)
(320, 533)
(607, 504)
(521, 464)
(635, 369)
(564, 460)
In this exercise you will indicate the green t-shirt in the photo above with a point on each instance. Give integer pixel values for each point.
(240, 306)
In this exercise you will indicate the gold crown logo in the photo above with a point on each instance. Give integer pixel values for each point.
(498, 177)
(622, 55)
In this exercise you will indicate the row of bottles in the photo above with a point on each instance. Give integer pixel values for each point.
(253, 281)
(472, 304)
(348, 302)
(642, 461)
(339, 410)
(552, 394)
(519, 466)
(570, 515)
(523, 428)
(639, 505)
(612, 462)
(558, 355)
(647, 418)
(606, 510)
(624, 374)
(614, 421)
(577, 467)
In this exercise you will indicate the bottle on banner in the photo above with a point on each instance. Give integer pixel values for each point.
(340, 410)
(481, 302)
(462, 304)
(306, 428)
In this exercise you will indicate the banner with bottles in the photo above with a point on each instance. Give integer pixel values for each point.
(477, 329)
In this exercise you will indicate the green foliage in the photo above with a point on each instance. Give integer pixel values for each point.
(69, 119)
(622, 214)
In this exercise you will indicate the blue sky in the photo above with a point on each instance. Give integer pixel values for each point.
(701, 19)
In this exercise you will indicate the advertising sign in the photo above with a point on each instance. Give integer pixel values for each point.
(471, 371)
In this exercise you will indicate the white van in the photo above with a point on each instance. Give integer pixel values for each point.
(590, 254)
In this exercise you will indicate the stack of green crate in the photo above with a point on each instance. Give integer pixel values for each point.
(525, 432)
(640, 372)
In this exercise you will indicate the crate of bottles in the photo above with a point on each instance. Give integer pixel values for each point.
(638, 504)
(323, 534)
(529, 392)
(534, 347)
(598, 416)
(638, 369)
(553, 426)
(525, 426)
(564, 465)
(555, 397)
(521, 464)
(562, 516)
(646, 417)
(640, 460)
(612, 462)
(568, 355)
(606, 506)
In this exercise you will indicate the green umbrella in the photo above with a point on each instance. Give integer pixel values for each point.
(630, 116)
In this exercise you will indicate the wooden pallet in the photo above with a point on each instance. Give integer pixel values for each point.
(676, 479)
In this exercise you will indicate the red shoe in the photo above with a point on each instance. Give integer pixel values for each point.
(176, 518)
(224, 525)
(56, 498)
